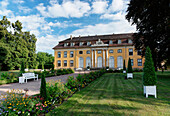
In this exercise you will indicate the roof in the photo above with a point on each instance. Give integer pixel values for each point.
(93, 39)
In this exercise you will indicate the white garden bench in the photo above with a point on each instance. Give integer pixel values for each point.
(30, 76)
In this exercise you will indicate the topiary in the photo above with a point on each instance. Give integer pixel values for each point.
(43, 91)
(129, 69)
(149, 76)
(22, 67)
(124, 65)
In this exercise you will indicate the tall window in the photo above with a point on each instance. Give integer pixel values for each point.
(99, 51)
(110, 51)
(65, 54)
(139, 52)
(88, 52)
(71, 54)
(132, 62)
(65, 62)
(119, 62)
(81, 62)
(88, 61)
(130, 51)
(71, 63)
(111, 62)
(59, 63)
(139, 62)
(80, 52)
(119, 51)
(59, 54)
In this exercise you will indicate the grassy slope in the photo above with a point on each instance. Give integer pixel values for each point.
(112, 95)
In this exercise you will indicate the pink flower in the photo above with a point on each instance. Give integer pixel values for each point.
(43, 106)
(41, 109)
(36, 107)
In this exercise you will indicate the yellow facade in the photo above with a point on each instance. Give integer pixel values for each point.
(105, 55)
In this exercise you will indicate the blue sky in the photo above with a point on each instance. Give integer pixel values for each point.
(55, 20)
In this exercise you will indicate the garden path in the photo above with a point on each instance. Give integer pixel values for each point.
(34, 86)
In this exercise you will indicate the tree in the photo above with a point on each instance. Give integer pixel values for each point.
(20, 45)
(45, 59)
(124, 65)
(129, 69)
(43, 91)
(152, 21)
(149, 77)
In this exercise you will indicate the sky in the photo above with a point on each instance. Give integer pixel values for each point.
(55, 20)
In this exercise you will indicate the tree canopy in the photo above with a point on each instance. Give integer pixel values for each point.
(16, 47)
(152, 21)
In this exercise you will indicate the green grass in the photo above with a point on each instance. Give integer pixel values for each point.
(112, 95)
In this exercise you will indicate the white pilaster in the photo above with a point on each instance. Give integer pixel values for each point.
(103, 59)
(92, 59)
(107, 57)
(95, 58)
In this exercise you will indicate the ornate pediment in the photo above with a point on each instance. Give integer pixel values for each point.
(99, 43)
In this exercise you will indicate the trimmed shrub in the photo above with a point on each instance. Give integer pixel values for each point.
(149, 76)
(43, 91)
(22, 67)
(129, 69)
(124, 65)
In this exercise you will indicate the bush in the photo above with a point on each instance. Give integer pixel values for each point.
(149, 77)
(129, 69)
(124, 65)
(22, 67)
(57, 91)
(43, 91)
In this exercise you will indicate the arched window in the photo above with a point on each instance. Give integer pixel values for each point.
(88, 61)
(99, 62)
(111, 62)
(119, 62)
(81, 62)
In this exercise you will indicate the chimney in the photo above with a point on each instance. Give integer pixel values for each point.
(79, 36)
(71, 37)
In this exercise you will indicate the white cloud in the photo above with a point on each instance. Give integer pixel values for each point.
(45, 43)
(18, 1)
(32, 23)
(117, 16)
(121, 26)
(117, 5)
(3, 9)
(64, 24)
(66, 9)
(99, 7)
(24, 9)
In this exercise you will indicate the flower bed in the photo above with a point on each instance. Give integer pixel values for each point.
(14, 103)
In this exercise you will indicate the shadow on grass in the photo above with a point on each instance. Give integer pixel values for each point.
(73, 108)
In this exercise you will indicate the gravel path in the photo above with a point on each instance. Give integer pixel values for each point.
(33, 86)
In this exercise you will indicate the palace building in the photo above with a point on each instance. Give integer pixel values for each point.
(97, 51)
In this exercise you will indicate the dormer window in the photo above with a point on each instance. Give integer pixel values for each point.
(65, 44)
(129, 41)
(81, 43)
(71, 44)
(88, 43)
(110, 42)
(119, 41)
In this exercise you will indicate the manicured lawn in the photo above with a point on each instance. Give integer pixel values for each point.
(111, 94)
